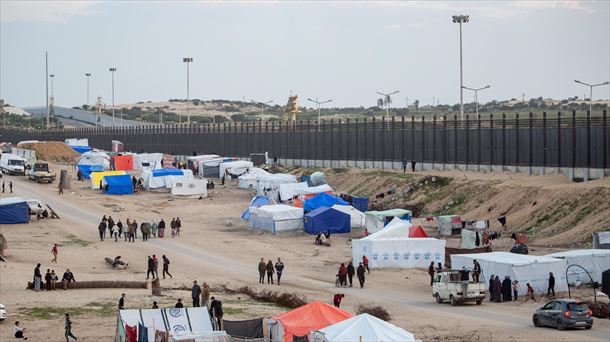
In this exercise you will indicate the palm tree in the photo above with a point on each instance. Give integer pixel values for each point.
(380, 103)
(388, 100)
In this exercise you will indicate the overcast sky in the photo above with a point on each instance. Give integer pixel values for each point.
(263, 50)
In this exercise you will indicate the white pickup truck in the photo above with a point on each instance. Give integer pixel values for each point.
(448, 287)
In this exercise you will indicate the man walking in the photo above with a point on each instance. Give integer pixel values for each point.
(351, 271)
(270, 271)
(476, 271)
(115, 232)
(102, 230)
(262, 267)
(10, 186)
(55, 252)
(68, 329)
(131, 232)
(404, 165)
(150, 269)
(216, 312)
(551, 284)
(279, 268)
(195, 293)
(166, 266)
(431, 272)
(360, 274)
(365, 263)
(155, 267)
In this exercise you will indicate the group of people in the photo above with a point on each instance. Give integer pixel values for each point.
(153, 267)
(270, 269)
(51, 280)
(346, 273)
(129, 229)
(508, 290)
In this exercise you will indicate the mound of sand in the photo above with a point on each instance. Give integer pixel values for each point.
(55, 151)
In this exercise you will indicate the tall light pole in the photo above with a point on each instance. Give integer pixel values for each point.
(187, 60)
(112, 70)
(88, 75)
(387, 101)
(461, 19)
(46, 79)
(52, 77)
(591, 92)
(263, 107)
(476, 95)
(319, 103)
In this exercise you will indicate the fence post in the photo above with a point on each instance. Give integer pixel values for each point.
(491, 141)
(467, 141)
(444, 140)
(588, 143)
(573, 142)
(383, 141)
(605, 140)
(503, 141)
(412, 138)
(393, 143)
(531, 145)
(455, 142)
(517, 141)
(402, 138)
(423, 142)
(559, 142)
(433, 140)
(479, 142)
(544, 143)
(357, 144)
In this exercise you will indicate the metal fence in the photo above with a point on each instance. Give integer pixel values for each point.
(566, 140)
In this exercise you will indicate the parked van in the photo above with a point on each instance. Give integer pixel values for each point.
(12, 164)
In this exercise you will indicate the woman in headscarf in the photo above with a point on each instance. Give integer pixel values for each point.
(506, 289)
(497, 290)
(491, 288)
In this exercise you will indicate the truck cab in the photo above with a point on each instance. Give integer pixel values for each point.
(448, 287)
(12, 164)
(40, 173)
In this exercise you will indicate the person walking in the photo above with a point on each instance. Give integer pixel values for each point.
(195, 293)
(205, 295)
(506, 289)
(172, 225)
(337, 299)
(110, 223)
(342, 275)
(404, 166)
(365, 263)
(262, 267)
(216, 312)
(351, 271)
(122, 302)
(47, 278)
(55, 252)
(551, 284)
(431, 272)
(68, 329)
(497, 290)
(155, 266)
(166, 266)
(178, 226)
(153, 228)
(37, 278)
(150, 270)
(60, 189)
(530, 293)
(115, 232)
(10, 186)
(161, 228)
(122, 229)
(476, 270)
(515, 289)
(270, 271)
(102, 230)
(131, 232)
(360, 274)
(491, 288)
(279, 268)
(144, 229)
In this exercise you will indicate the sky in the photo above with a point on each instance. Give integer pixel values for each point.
(264, 50)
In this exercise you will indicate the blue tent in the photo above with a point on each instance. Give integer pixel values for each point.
(81, 149)
(256, 202)
(86, 170)
(118, 185)
(167, 172)
(14, 210)
(325, 219)
(360, 203)
(322, 199)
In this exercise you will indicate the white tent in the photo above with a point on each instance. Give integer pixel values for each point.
(363, 328)
(523, 268)
(152, 181)
(202, 157)
(595, 261)
(235, 168)
(289, 190)
(313, 190)
(356, 216)
(189, 187)
(148, 161)
(248, 181)
(393, 248)
(269, 185)
(376, 220)
(173, 321)
(77, 142)
(95, 158)
(276, 218)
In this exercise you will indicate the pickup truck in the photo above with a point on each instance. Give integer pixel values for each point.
(448, 287)
(40, 173)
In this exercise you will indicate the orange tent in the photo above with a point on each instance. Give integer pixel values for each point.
(313, 316)
(123, 163)
(417, 232)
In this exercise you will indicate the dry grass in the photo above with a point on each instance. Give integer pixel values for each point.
(284, 299)
(373, 310)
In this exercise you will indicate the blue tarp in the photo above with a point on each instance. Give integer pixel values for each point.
(167, 172)
(81, 149)
(256, 202)
(17, 212)
(118, 185)
(86, 170)
(322, 199)
(325, 219)
(360, 203)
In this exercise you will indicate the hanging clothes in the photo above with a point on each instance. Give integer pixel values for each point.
(477, 241)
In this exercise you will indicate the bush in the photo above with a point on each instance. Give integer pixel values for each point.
(373, 310)
(284, 299)
(238, 117)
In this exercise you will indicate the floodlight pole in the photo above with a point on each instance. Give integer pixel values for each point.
(112, 70)
(476, 96)
(387, 104)
(591, 86)
(263, 108)
(461, 19)
(319, 111)
(88, 75)
(188, 60)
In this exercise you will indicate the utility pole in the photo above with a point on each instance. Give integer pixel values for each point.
(387, 100)
(476, 96)
(461, 19)
(112, 70)
(46, 54)
(319, 103)
(591, 86)
(88, 75)
(187, 60)
(263, 108)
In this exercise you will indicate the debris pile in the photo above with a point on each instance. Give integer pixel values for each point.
(56, 151)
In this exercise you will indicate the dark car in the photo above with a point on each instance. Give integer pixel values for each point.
(563, 314)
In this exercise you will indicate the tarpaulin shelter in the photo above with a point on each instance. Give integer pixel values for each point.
(449, 225)
(86, 170)
(356, 216)
(417, 232)
(251, 328)
(256, 201)
(376, 220)
(360, 203)
(276, 218)
(123, 162)
(363, 328)
(211, 167)
(524, 268)
(471, 239)
(269, 185)
(188, 188)
(81, 149)
(117, 185)
(160, 178)
(290, 190)
(322, 200)
(595, 261)
(148, 161)
(601, 240)
(392, 247)
(77, 142)
(93, 161)
(248, 181)
(14, 210)
(96, 177)
(325, 219)
(303, 320)
(235, 168)
(175, 321)
(314, 190)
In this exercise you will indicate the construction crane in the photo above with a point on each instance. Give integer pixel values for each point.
(292, 108)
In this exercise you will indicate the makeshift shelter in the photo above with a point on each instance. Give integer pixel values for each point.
(356, 216)
(235, 168)
(322, 200)
(96, 177)
(117, 185)
(314, 190)
(288, 191)
(303, 320)
(81, 149)
(269, 185)
(376, 220)
(417, 232)
(325, 219)
(524, 268)
(360, 203)
(471, 239)
(248, 181)
(168, 322)
(601, 240)
(256, 201)
(185, 188)
(247, 329)
(449, 225)
(276, 218)
(363, 328)
(393, 248)
(211, 167)
(160, 178)
(123, 162)
(14, 210)
(86, 170)
(148, 161)
(594, 261)
(93, 161)
(77, 142)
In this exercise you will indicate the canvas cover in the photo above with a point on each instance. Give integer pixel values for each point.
(77, 142)
(14, 210)
(168, 320)
(376, 220)
(235, 168)
(160, 178)
(251, 328)
(147, 161)
(123, 162)
(86, 170)
(314, 190)
(417, 232)
(469, 239)
(256, 201)
(248, 181)
(364, 328)
(449, 225)
(269, 185)
(117, 185)
(325, 219)
(594, 261)
(322, 200)
(81, 149)
(524, 268)
(276, 218)
(211, 167)
(305, 319)
(199, 336)
(290, 190)
(95, 158)
(183, 187)
(202, 157)
(96, 177)
(356, 216)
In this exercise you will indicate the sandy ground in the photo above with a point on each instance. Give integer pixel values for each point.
(215, 246)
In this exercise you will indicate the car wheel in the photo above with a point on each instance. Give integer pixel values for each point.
(588, 327)
(536, 322)
(560, 325)
(438, 298)
(479, 301)
(452, 300)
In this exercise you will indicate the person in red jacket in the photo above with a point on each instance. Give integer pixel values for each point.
(342, 275)
(365, 263)
(337, 299)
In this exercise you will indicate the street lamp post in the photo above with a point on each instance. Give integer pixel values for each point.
(112, 70)
(476, 96)
(461, 19)
(187, 60)
(88, 75)
(387, 101)
(263, 108)
(319, 103)
(52, 77)
(591, 86)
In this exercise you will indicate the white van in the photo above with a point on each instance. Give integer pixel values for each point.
(12, 164)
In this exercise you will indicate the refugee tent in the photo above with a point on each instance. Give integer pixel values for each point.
(269, 185)
(356, 216)
(175, 321)
(159, 178)
(322, 200)
(523, 268)
(248, 181)
(211, 167)
(86, 170)
(601, 240)
(117, 185)
(363, 328)
(376, 220)
(96, 177)
(235, 168)
(256, 201)
(202, 157)
(247, 329)
(276, 218)
(314, 190)
(148, 161)
(325, 219)
(79, 145)
(182, 187)
(595, 261)
(303, 320)
(289, 190)
(123, 162)
(14, 210)
(417, 232)
(93, 161)
(449, 225)
(392, 247)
